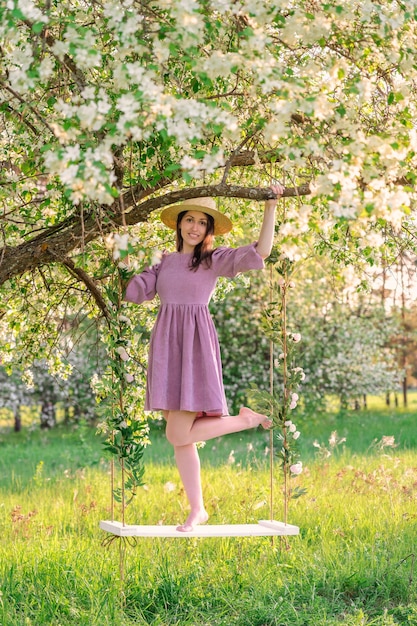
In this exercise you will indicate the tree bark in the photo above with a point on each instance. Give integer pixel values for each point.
(47, 417)
(17, 427)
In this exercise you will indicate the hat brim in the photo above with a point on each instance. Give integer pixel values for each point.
(222, 224)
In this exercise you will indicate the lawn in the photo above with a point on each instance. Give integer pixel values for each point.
(352, 564)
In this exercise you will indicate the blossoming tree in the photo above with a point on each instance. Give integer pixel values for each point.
(112, 110)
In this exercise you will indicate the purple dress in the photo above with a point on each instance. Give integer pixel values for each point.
(184, 365)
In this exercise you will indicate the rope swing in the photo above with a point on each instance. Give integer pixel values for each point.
(264, 528)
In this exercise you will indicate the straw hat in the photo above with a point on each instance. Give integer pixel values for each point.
(222, 224)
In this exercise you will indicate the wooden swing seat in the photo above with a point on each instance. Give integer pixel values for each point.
(263, 528)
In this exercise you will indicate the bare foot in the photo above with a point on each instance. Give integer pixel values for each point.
(199, 517)
(255, 419)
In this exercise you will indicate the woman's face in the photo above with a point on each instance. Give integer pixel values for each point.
(193, 229)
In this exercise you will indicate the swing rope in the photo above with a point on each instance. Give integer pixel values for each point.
(271, 391)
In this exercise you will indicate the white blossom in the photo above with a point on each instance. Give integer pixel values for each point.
(121, 351)
(169, 487)
(293, 401)
(29, 10)
(297, 468)
(120, 243)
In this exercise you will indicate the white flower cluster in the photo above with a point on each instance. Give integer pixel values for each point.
(198, 168)
(218, 63)
(86, 173)
(294, 400)
(90, 110)
(292, 429)
(118, 243)
(188, 18)
(299, 372)
(295, 468)
(28, 9)
(191, 119)
(82, 46)
(19, 62)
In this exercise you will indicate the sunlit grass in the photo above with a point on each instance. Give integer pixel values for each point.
(396, 401)
(352, 564)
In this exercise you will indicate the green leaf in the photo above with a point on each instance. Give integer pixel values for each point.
(37, 27)
(297, 492)
(173, 167)
(17, 14)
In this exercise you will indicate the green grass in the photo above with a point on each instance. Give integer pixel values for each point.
(352, 564)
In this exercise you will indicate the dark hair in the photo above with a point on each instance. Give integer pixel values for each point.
(203, 251)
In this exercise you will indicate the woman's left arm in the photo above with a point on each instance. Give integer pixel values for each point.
(266, 236)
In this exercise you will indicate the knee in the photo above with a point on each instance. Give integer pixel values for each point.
(179, 426)
(174, 436)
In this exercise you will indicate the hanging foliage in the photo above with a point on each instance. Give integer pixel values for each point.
(120, 390)
(285, 375)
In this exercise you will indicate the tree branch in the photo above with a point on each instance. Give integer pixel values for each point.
(58, 241)
(89, 283)
(29, 106)
(49, 39)
(6, 106)
(142, 211)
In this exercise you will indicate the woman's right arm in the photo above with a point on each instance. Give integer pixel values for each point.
(266, 235)
(142, 286)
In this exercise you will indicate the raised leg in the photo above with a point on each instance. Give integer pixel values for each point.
(184, 428)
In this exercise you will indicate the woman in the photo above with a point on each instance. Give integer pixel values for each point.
(184, 378)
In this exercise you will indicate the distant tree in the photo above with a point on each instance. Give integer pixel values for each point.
(13, 395)
(244, 346)
(68, 390)
(348, 357)
(347, 348)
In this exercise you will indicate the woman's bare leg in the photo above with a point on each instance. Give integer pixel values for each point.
(183, 428)
(188, 464)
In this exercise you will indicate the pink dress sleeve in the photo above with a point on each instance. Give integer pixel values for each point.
(231, 261)
(142, 286)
